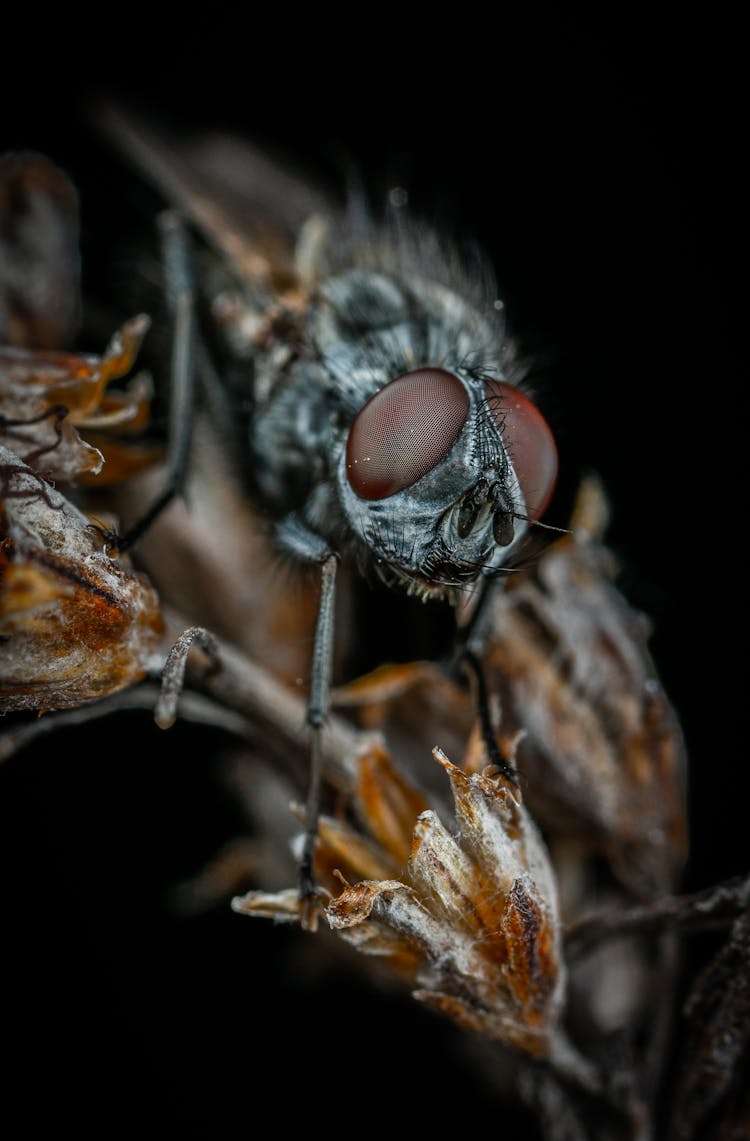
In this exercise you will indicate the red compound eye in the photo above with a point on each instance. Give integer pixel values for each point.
(529, 441)
(404, 431)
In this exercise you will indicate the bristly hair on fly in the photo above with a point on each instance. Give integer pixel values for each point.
(403, 246)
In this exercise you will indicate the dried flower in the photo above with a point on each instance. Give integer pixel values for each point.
(75, 625)
(469, 917)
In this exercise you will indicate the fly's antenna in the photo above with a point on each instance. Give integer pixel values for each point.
(296, 537)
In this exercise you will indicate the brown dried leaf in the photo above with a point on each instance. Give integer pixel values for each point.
(343, 849)
(74, 624)
(475, 913)
(470, 920)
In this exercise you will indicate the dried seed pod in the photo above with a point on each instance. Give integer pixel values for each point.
(75, 625)
(469, 917)
(602, 753)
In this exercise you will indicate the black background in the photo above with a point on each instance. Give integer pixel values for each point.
(600, 168)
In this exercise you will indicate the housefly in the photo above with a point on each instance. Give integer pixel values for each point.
(381, 413)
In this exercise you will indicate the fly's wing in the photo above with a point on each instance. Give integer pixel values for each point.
(265, 231)
(248, 208)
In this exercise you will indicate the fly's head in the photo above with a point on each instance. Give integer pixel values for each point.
(442, 473)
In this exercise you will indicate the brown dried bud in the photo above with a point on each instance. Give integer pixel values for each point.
(602, 753)
(74, 624)
(471, 918)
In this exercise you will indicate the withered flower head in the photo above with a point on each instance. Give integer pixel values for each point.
(468, 915)
(74, 624)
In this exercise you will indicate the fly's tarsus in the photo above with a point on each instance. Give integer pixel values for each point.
(471, 664)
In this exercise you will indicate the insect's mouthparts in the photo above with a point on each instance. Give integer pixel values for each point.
(486, 498)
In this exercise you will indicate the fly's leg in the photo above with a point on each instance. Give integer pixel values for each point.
(299, 540)
(180, 300)
(472, 664)
(470, 635)
(467, 656)
(320, 689)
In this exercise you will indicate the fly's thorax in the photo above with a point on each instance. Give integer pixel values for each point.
(368, 326)
(362, 328)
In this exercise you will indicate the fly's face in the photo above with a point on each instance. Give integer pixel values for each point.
(442, 472)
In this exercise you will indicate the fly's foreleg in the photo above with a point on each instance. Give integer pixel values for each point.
(297, 538)
(468, 657)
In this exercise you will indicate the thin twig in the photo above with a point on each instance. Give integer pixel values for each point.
(242, 685)
(143, 698)
(713, 907)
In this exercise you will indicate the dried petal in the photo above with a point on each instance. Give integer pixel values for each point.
(474, 916)
(413, 933)
(283, 906)
(355, 904)
(45, 396)
(387, 802)
(382, 684)
(533, 948)
(439, 868)
(497, 830)
(369, 938)
(341, 847)
(401, 699)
